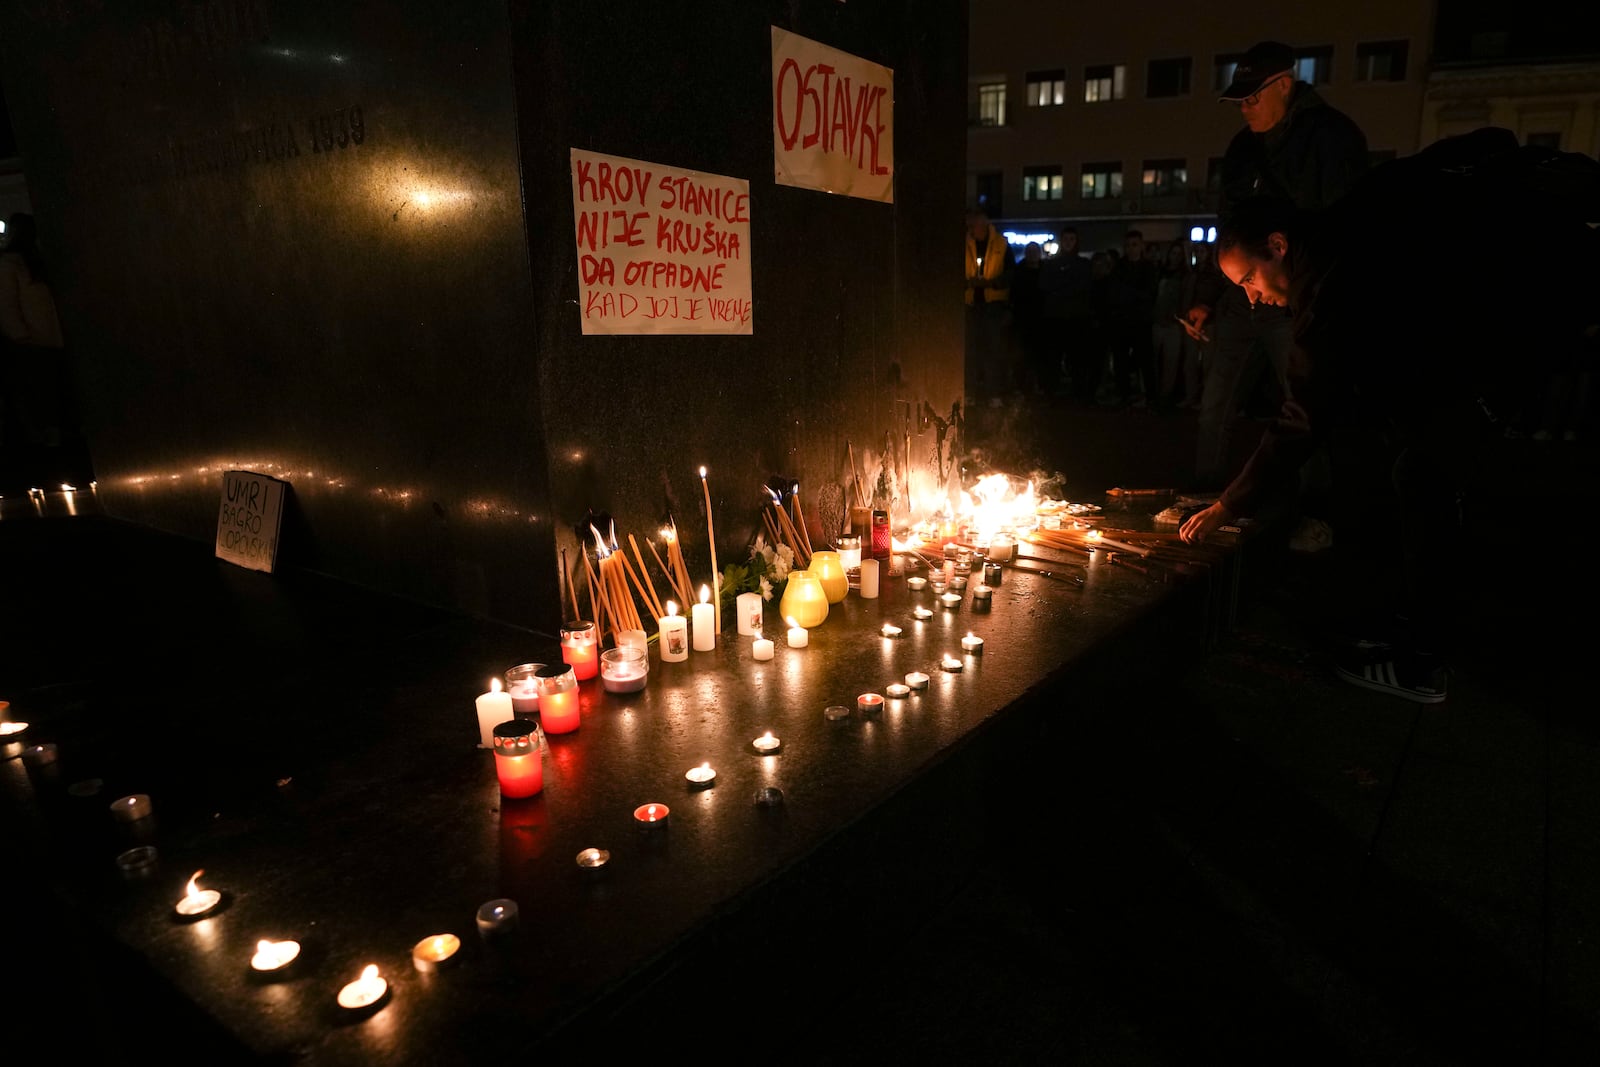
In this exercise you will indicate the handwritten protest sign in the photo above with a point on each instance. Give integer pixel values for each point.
(660, 249)
(832, 119)
(247, 525)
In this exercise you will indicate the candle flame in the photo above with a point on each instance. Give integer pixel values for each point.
(494, 685)
(369, 974)
(705, 594)
(672, 609)
(702, 474)
(263, 947)
(668, 534)
(705, 766)
(193, 890)
(793, 625)
(1093, 535)
(600, 549)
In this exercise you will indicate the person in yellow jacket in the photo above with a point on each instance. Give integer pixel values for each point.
(989, 263)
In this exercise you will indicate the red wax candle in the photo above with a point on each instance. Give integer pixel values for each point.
(580, 650)
(517, 760)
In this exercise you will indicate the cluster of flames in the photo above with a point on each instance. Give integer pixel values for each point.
(992, 507)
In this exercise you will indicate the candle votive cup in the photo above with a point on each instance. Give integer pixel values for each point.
(849, 548)
(137, 864)
(497, 918)
(522, 682)
(991, 573)
(580, 648)
(558, 699)
(624, 669)
(518, 761)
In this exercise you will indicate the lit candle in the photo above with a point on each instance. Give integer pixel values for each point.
(1000, 548)
(939, 584)
(494, 707)
(580, 648)
(365, 991)
(958, 583)
(982, 594)
(766, 744)
(897, 690)
(972, 643)
(674, 629)
(624, 669)
(761, 648)
(651, 816)
(705, 622)
(917, 680)
(131, 808)
(951, 664)
(558, 699)
(434, 952)
(916, 582)
(523, 687)
(749, 607)
(274, 955)
(891, 630)
(518, 762)
(36, 756)
(702, 775)
(869, 702)
(197, 902)
(869, 579)
(798, 636)
(593, 859)
(951, 601)
(497, 917)
(921, 613)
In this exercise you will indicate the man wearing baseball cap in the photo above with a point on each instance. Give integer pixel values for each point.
(1295, 146)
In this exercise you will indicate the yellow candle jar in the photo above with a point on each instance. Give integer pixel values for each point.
(829, 569)
(803, 599)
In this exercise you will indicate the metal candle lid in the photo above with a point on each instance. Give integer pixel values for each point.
(516, 737)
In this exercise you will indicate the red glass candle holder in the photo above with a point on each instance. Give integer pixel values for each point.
(580, 649)
(517, 759)
(558, 699)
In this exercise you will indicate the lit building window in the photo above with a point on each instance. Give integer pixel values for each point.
(1101, 181)
(1164, 177)
(1047, 88)
(1042, 183)
(1104, 83)
(1222, 70)
(1314, 66)
(992, 104)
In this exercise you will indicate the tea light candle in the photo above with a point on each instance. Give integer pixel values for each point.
(274, 955)
(40, 755)
(131, 808)
(916, 582)
(921, 613)
(761, 648)
(898, 690)
(748, 608)
(835, 711)
(798, 636)
(365, 991)
(951, 664)
(982, 593)
(523, 688)
(958, 583)
(891, 630)
(434, 952)
(593, 859)
(766, 744)
(674, 630)
(917, 680)
(702, 775)
(992, 573)
(494, 708)
(705, 622)
(951, 601)
(197, 902)
(972, 644)
(869, 702)
(869, 579)
(939, 585)
(624, 669)
(497, 917)
(651, 816)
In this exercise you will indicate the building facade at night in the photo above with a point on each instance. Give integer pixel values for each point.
(1106, 124)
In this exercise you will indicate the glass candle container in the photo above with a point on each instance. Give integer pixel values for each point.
(849, 547)
(558, 699)
(1000, 547)
(517, 759)
(803, 600)
(830, 571)
(522, 682)
(580, 648)
(880, 535)
(624, 669)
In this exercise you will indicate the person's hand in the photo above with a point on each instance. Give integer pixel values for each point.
(1194, 324)
(1197, 526)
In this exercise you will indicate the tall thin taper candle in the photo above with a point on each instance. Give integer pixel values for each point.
(716, 576)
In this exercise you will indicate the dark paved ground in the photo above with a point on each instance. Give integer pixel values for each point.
(1269, 865)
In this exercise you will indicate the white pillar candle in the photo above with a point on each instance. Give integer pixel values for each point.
(705, 622)
(494, 708)
(798, 637)
(748, 607)
(869, 579)
(674, 630)
(761, 648)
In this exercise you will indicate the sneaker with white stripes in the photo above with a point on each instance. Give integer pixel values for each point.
(1408, 677)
